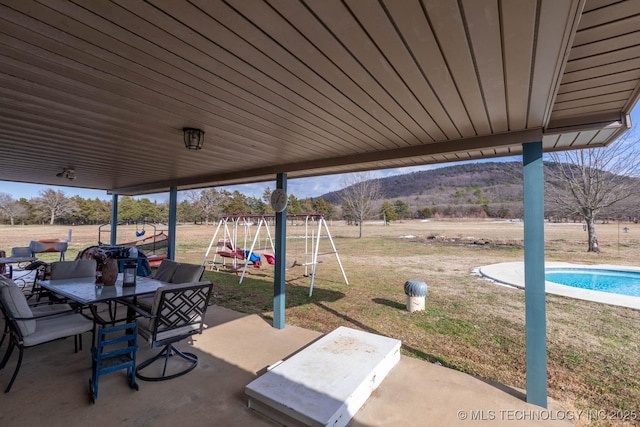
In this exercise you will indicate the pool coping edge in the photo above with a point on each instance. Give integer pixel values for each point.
(512, 274)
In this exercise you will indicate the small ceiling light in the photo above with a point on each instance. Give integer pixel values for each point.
(68, 173)
(193, 138)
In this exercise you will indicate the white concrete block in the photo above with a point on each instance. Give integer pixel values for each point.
(326, 383)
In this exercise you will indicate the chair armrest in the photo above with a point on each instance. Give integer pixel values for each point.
(137, 309)
(45, 315)
(39, 303)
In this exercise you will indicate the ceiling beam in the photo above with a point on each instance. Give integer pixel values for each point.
(592, 122)
(439, 148)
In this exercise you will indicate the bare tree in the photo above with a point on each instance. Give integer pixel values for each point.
(208, 202)
(10, 209)
(266, 198)
(359, 193)
(586, 182)
(55, 203)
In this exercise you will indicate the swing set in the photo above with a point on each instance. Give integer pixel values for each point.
(235, 233)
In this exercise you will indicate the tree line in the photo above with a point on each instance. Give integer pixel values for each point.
(580, 185)
(362, 200)
(203, 206)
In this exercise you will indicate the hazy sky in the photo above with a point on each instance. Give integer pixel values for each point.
(301, 188)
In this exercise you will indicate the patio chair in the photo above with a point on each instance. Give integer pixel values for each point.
(16, 252)
(176, 314)
(49, 245)
(186, 273)
(28, 330)
(21, 252)
(73, 269)
(37, 308)
(61, 270)
(41, 272)
(165, 270)
(164, 273)
(180, 273)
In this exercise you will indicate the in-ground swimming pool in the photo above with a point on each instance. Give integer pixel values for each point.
(612, 281)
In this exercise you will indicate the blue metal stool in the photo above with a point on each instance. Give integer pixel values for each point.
(115, 350)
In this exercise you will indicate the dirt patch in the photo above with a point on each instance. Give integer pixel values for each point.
(449, 240)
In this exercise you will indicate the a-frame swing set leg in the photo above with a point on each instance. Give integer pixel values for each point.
(253, 245)
(227, 236)
(213, 239)
(315, 254)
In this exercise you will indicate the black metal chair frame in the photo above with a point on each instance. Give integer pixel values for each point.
(17, 340)
(180, 309)
(41, 273)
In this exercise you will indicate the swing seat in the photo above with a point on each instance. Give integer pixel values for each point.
(237, 254)
(253, 257)
(271, 259)
(224, 243)
(139, 233)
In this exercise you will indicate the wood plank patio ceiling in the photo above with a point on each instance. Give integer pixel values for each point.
(306, 87)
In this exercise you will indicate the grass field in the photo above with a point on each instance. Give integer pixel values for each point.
(469, 323)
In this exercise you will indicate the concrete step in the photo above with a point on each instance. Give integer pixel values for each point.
(326, 383)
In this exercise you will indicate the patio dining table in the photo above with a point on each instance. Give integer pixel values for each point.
(86, 292)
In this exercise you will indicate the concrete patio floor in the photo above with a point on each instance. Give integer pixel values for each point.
(52, 387)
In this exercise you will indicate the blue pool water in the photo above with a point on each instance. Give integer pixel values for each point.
(613, 281)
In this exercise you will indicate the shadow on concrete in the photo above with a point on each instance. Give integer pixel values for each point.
(509, 390)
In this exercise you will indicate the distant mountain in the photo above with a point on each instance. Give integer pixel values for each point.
(492, 189)
(492, 182)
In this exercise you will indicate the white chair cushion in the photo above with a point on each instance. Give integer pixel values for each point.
(5, 281)
(73, 269)
(50, 329)
(186, 273)
(145, 302)
(172, 272)
(145, 332)
(165, 270)
(16, 303)
(177, 332)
